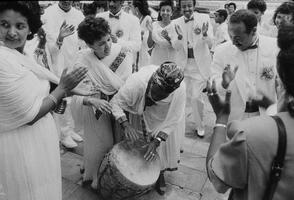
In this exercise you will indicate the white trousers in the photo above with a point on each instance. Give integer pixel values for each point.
(195, 83)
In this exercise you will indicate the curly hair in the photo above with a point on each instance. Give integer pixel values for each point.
(29, 9)
(285, 8)
(245, 16)
(285, 61)
(92, 29)
(257, 4)
(143, 7)
(164, 3)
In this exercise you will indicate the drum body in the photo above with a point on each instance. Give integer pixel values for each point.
(124, 173)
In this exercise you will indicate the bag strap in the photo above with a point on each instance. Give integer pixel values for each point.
(278, 162)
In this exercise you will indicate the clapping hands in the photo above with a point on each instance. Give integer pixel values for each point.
(220, 107)
(165, 35)
(228, 75)
(205, 29)
(65, 30)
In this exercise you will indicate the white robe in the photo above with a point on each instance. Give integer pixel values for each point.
(98, 135)
(168, 115)
(29, 154)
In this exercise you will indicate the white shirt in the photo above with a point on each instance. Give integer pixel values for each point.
(221, 35)
(129, 25)
(53, 18)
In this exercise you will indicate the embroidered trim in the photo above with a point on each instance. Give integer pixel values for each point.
(118, 61)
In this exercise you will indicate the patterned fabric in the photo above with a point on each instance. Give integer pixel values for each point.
(118, 60)
(168, 76)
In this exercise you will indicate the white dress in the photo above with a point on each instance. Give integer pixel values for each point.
(30, 159)
(144, 56)
(163, 50)
(98, 134)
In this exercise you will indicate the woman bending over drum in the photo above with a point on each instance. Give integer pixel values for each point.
(158, 94)
(109, 65)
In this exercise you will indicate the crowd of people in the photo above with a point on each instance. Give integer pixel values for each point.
(105, 75)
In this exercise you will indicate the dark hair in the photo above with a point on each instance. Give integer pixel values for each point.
(285, 61)
(164, 3)
(226, 5)
(222, 13)
(257, 4)
(92, 29)
(101, 4)
(194, 2)
(89, 9)
(143, 7)
(29, 9)
(232, 4)
(245, 16)
(285, 8)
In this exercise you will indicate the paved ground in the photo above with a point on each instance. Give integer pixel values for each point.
(190, 182)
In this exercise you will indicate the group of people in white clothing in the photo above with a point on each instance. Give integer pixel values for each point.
(114, 76)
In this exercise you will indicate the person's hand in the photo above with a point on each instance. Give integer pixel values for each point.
(165, 35)
(221, 108)
(179, 31)
(42, 37)
(65, 30)
(113, 38)
(101, 105)
(151, 153)
(205, 29)
(68, 81)
(81, 92)
(130, 132)
(228, 75)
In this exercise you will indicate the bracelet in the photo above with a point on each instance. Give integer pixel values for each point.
(50, 96)
(59, 43)
(158, 139)
(220, 125)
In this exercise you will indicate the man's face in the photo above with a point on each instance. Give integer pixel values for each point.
(65, 5)
(258, 13)
(115, 6)
(240, 38)
(231, 9)
(218, 19)
(187, 8)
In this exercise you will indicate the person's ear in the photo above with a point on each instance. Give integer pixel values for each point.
(254, 30)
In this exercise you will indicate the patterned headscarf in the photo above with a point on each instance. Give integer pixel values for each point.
(168, 77)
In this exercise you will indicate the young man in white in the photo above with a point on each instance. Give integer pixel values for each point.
(221, 33)
(125, 28)
(56, 17)
(193, 47)
(246, 66)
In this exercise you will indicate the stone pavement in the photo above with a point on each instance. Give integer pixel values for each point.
(190, 182)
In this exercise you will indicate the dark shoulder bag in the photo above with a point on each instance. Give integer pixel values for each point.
(277, 164)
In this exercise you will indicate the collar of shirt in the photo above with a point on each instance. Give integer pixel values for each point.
(189, 20)
(116, 16)
(254, 44)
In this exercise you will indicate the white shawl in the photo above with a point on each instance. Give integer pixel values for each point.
(103, 78)
(20, 95)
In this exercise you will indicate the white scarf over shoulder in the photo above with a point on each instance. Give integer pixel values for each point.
(19, 78)
(104, 79)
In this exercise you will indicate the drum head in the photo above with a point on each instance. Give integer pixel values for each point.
(129, 160)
